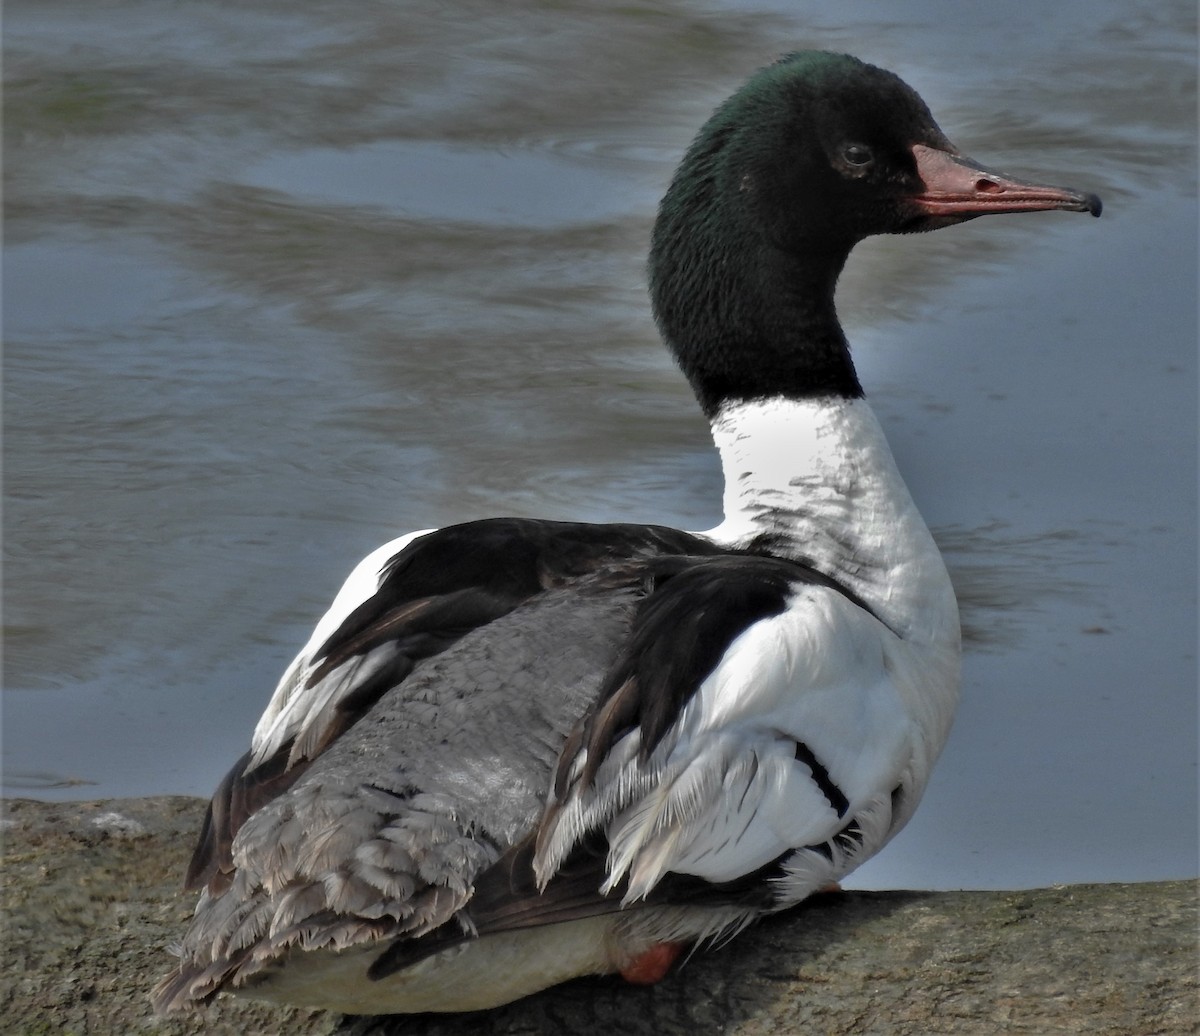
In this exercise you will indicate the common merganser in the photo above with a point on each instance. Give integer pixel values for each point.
(519, 751)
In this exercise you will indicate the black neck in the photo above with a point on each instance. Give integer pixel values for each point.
(751, 322)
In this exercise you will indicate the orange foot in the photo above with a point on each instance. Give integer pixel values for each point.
(652, 965)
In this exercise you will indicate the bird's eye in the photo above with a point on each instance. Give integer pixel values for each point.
(857, 155)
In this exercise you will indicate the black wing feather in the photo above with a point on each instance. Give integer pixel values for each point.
(440, 587)
(696, 608)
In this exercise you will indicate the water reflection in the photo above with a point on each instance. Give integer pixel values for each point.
(1007, 581)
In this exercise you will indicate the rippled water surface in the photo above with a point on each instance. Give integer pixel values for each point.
(282, 281)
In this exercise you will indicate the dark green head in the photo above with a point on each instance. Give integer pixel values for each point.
(813, 154)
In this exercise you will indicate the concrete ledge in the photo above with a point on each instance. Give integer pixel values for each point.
(91, 899)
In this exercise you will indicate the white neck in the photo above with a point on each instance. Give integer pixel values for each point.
(817, 477)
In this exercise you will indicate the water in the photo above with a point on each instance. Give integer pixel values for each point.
(281, 283)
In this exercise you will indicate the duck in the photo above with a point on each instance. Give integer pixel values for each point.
(517, 751)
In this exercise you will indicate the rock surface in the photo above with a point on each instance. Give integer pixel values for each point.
(91, 900)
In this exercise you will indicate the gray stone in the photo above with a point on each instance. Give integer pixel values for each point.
(91, 904)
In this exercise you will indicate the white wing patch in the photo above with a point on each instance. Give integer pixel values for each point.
(728, 789)
(296, 711)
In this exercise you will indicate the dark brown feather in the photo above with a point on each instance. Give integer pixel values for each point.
(239, 795)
